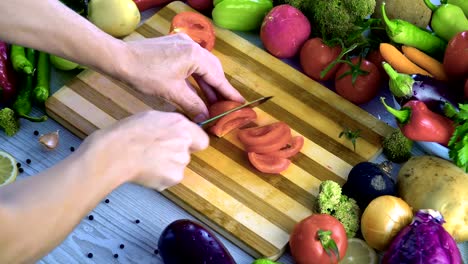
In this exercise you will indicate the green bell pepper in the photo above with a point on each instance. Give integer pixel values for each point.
(447, 20)
(463, 4)
(241, 15)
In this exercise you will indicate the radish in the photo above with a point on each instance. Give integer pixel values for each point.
(284, 30)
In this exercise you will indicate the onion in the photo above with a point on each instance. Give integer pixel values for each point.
(383, 218)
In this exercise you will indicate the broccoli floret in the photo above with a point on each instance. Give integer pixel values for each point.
(396, 147)
(331, 201)
(333, 18)
(8, 121)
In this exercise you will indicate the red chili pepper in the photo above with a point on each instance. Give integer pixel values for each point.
(419, 123)
(7, 76)
(147, 4)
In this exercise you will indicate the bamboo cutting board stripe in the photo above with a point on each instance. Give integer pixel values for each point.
(257, 211)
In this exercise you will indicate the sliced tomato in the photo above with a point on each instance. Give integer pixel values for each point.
(267, 163)
(231, 121)
(197, 26)
(265, 139)
(262, 135)
(291, 149)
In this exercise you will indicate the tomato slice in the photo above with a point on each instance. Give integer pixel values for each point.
(263, 134)
(265, 139)
(231, 121)
(197, 26)
(291, 149)
(267, 163)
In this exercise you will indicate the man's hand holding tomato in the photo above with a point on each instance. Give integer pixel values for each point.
(161, 66)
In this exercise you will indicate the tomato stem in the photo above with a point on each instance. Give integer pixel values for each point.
(328, 244)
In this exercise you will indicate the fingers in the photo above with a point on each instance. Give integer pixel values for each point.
(210, 71)
(206, 89)
(192, 105)
(200, 138)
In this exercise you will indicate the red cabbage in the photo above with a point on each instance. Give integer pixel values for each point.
(423, 241)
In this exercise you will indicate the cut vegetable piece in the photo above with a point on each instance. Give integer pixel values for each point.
(197, 26)
(268, 164)
(291, 149)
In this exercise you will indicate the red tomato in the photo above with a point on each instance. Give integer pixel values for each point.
(315, 56)
(265, 139)
(268, 164)
(306, 247)
(375, 57)
(197, 26)
(231, 121)
(366, 85)
(291, 149)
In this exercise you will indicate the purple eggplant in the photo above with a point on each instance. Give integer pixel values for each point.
(423, 241)
(184, 241)
(434, 93)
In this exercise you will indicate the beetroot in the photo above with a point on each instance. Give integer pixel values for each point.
(7, 75)
(284, 30)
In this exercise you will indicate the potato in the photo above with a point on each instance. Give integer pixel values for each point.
(427, 182)
(413, 11)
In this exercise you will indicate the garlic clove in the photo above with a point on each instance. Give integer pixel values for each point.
(50, 140)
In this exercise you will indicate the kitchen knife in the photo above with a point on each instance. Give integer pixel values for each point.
(251, 104)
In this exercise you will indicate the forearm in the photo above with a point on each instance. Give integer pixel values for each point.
(50, 26)
(37, 213)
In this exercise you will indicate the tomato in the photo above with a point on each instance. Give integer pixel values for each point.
(315, 56)
(197, 26)
(263, 135)
(265, 139)
(306, 245)
(231, 121)
(366, 85)
(268, 164)
(291, 149)
(375, 57)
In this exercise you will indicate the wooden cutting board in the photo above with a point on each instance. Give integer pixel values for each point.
(254, 210)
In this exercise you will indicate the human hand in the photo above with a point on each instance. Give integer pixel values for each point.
(161, 66)
(149, 148)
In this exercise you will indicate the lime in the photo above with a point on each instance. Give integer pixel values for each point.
(264, 261)
(8, 169)
(359, 252)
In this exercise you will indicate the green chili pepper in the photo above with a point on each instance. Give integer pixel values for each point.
(19, 61)
(463, 4)
(241, 15)
(447, 20)
(23, 102)
(403, 32)
(42, 90)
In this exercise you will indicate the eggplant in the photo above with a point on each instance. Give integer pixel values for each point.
(367, 181)
(434, 93)
(184, 241)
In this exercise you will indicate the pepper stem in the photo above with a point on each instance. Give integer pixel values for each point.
(33, 119)
(400, 84)
(430, 5)
(402, 115)
(391, 26)
(328, 244)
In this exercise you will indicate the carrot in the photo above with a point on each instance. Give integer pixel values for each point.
(398, 61)
(425, 61)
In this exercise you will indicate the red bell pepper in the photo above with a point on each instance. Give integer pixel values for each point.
(7, 75)
(419, 123)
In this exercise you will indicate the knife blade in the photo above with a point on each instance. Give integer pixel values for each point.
(251, 104)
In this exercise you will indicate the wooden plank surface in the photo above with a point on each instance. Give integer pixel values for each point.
(254, 210)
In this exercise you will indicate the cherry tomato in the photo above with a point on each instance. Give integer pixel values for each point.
(268, 164)
(231, 121)
(265, 139)
(366, 85)
(197, 26)
(291, 149)
(306, 246)
(315, 56)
